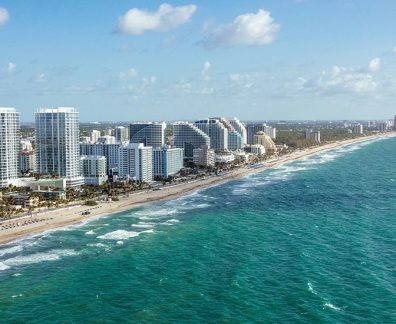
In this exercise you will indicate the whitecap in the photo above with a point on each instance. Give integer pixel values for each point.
(143, 225)
(11, 250)
(332, 306)
(52, 255)
(148, 214)
(310, 288)
(91, 232)
(120, 243)
(118, 235)
(147, 232)
(3, 266)
(99, 245)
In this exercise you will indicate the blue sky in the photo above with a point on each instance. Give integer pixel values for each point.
(155, 60)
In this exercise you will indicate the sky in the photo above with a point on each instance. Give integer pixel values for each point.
(153, 60)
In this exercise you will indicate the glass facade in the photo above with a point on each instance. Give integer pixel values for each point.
(57, 142)
(188, 137)
(150, 134)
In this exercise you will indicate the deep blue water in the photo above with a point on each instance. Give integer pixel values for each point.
(311, 241)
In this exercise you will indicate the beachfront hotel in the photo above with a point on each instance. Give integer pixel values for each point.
(167, 161)
(9, 145)
(136, 162)
(263, 139)
(188, 137)
(150, 134)
(252, 129)
(217, 132)
(57, 143)
(204, 156)
(93, 168)
(235, 139)
(240, 128)
(109, 151)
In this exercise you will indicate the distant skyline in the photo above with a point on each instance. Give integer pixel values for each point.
(155, 60)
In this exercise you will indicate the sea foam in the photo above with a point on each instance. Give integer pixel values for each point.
(10, 250)
(38, 257)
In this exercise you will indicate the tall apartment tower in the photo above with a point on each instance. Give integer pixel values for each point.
(217, 132)
(136, 162)
(150, 134)
(240, 128)
(57, 143)
(121, 134)
(9, 145)
(189, 137)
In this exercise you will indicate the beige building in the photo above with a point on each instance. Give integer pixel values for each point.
(263, 139)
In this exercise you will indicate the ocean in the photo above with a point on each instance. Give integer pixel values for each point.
(310, 241)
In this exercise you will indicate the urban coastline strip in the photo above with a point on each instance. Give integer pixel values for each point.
(39, 222)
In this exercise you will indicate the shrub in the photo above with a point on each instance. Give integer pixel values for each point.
(91, 203)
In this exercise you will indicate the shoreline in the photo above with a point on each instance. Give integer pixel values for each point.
(66, 216)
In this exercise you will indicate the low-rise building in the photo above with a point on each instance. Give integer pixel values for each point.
(257, 149)
(224, 158)
(204, 156)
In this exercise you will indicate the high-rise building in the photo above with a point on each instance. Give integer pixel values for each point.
(311, 135)
(121, 134)
(217, 132)
(357, 129)
(9, 145)
(57, 143)
(167, 161)
(382, 126)
(136, 162)
(27, 161)
(240, 128)
(95, 134)
(109, 151)
(150, 134)
(188, 137)
(235, 139)
(93, 169)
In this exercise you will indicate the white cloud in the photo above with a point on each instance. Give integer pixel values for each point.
(11, 67)
(136, 21)
(40, 78)
(247, 29)
(131, 73)
(205, 70)
(375, 64)
(341, 80)
(4, 16)
(245, 80)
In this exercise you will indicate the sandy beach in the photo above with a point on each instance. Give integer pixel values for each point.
(29, 225)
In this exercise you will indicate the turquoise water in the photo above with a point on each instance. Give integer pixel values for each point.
(311, 241)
